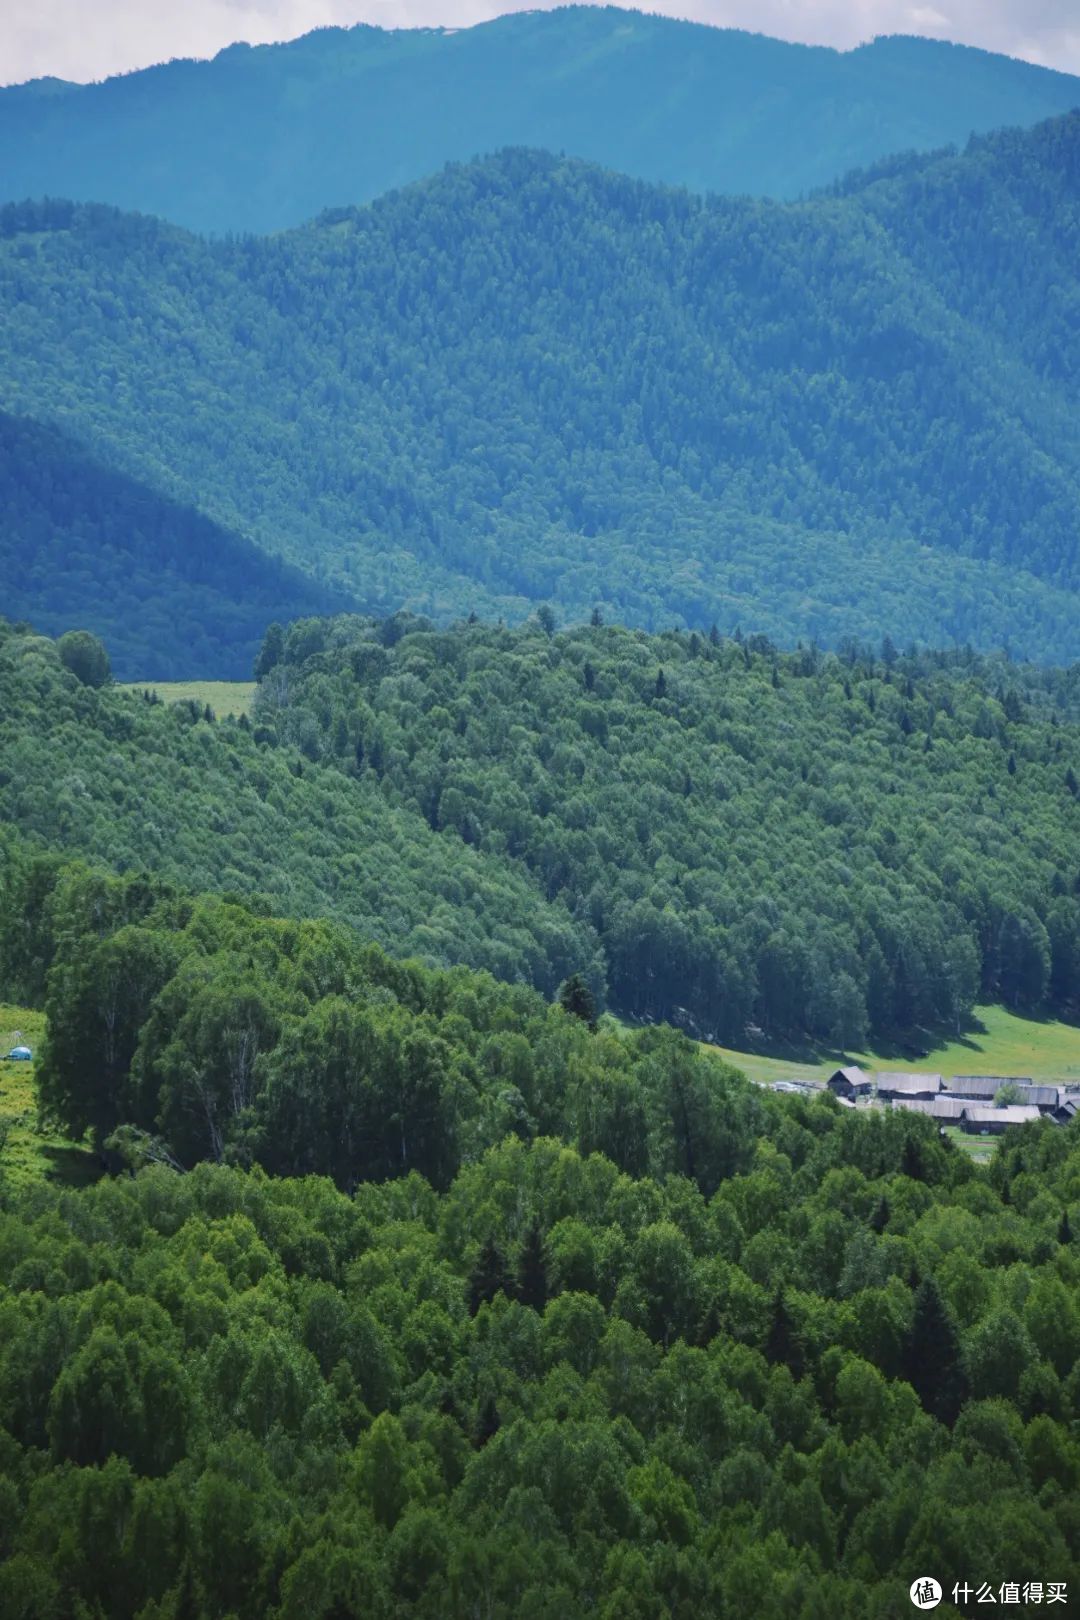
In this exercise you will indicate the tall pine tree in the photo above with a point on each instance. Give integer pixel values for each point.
(933, 1365)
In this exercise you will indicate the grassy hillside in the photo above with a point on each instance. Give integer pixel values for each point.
(262, 139)
(825, 419)
(996, 1041)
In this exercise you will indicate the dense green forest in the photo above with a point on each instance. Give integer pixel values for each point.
(170, 591)
(707, 831)
(528, 379)
(555, 1321)
(805, 842)
(262, 139)
(144, 785)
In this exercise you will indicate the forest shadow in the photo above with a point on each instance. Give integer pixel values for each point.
(71, 1166)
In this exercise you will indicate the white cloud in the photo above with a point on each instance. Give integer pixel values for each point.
(88, 39)
(925, 20)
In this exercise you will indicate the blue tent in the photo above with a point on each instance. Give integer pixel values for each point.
(21, 1054)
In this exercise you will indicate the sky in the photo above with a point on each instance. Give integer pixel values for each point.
(90, 39)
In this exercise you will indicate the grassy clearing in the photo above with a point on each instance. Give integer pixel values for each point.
(224, 697)
(979, 1148)
(27, 1154)
(998, 1042)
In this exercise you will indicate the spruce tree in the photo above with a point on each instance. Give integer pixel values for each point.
(489, 1277)
(576, 998)
(911, 1163)
(932, 1361)
(488, 1421)
(782, 1346)
(532, 1289)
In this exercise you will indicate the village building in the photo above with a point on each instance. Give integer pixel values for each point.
(985, 1088)
(1067, 1110)
(981, 1087)
(1045, 1098)
(979, 1120)
(892, 1086)
(946, 1109)
(850, 1083)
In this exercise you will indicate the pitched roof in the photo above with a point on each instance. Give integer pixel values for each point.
(1041, 1096)
(947, 1107)
(1013, 1115)
(852, 1074)
(980, 1085)
(937, 1107)
(908, 1085)
(984, 1088)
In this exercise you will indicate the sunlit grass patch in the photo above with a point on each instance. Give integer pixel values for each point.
(224, 697)
(27, 1153)
(997, 1042)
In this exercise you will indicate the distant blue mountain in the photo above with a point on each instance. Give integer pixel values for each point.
(529, 379)
(261, 139)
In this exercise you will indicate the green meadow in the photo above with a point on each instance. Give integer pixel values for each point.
(26, 1152)
(224, 697)
(997, 1042)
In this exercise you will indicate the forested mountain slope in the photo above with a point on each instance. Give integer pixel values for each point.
(149, 786)
(169, 590)
(797, 842)
(258, 140)
(530, 379)
(715, 834)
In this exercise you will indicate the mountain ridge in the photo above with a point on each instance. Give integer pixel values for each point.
(262, 137)
(529, 378)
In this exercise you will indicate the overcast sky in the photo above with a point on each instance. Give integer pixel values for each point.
(89, 39)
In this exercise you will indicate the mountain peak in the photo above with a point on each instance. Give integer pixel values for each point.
(261, 138)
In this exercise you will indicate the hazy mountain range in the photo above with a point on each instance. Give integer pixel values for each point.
(260, 139)
(530, 379)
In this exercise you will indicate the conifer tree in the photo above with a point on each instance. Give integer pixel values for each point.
(576, 998)
(782, 1347)
(489, 1277)
(932, 1361)
(532, 1288)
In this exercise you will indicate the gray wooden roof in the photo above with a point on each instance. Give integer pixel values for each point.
(981, 1085)
(908, 1085)
(1013, 1115)
(937, 1107)
(1041, 1096)
(852, 1074)
(947, 1107)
